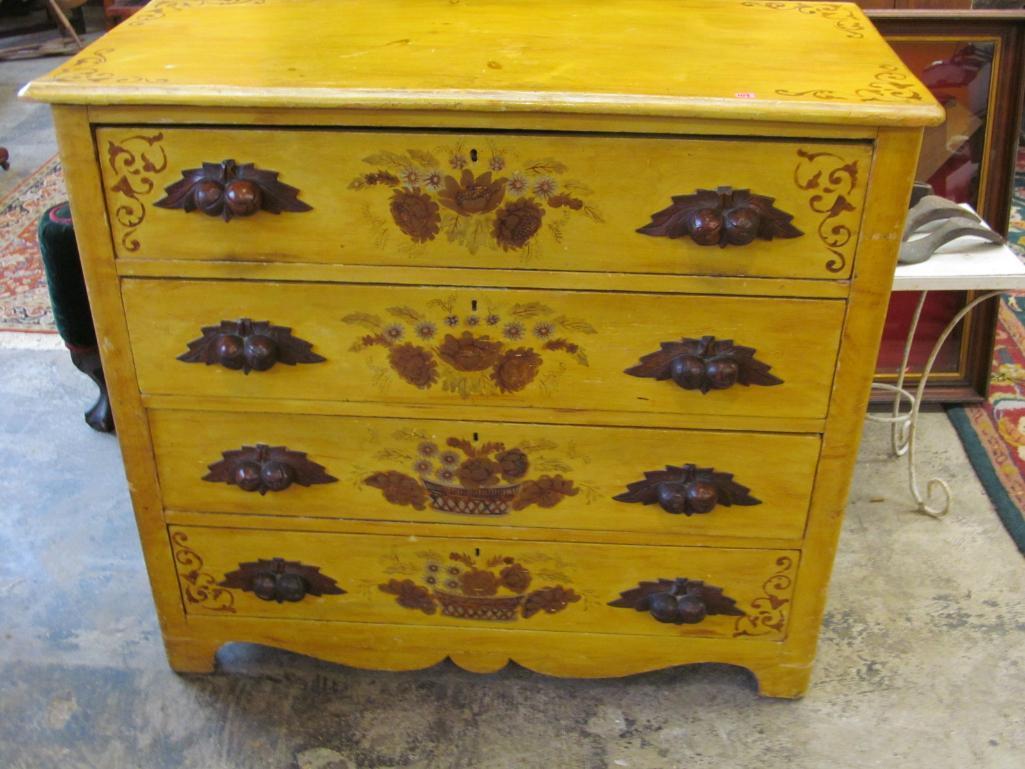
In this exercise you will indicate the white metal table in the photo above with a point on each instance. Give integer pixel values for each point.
(965, 264)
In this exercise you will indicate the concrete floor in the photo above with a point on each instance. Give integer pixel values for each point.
(921, 663)
(26, 129)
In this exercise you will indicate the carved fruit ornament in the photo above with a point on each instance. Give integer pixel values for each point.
(721, 217)
(249, 345)
(705, 364)
(688, 490)
(679, 601)
(266, 468)
(229, 189)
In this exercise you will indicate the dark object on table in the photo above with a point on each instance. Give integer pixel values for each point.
(954, 222)
(71, 306)
(5, 159)
(933, 208)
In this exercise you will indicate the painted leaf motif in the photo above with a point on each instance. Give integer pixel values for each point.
(575, 324)
(546, 166)
(424, 158)
(549, 599)
(399, 488)
(407, 314)
(385, 158)
(365, 319)
(410, 595)
(529, 310)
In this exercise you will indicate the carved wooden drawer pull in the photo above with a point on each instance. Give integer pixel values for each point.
(280, 580)
(249, 345)
(688, 490)
(229, 189)
(705, 364)
(721, 217)
(266, 468)
(679, 601)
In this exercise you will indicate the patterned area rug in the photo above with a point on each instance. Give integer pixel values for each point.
(24, 303)
(993, 433)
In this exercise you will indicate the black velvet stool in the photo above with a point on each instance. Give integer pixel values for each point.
(71, 306)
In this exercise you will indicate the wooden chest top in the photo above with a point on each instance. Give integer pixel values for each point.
(726, 59)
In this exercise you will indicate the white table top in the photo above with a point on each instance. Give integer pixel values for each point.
(961, 265)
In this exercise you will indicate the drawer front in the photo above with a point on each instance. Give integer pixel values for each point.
(589, 203)
(480, 347)
(722, 593)
(551, 476)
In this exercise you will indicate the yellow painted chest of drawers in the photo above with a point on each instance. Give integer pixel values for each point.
(490, 330)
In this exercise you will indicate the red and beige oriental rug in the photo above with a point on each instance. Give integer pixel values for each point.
(993, 433)
(24, 303)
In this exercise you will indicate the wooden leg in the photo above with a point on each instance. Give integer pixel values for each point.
(99, 417)
(785, 681)
(63, 23)
(191, 655)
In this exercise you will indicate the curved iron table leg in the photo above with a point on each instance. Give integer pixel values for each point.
(904, 426)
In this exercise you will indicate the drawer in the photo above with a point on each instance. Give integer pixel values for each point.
(721, 593)
(475, 348)
(549, 476)
(557, 201)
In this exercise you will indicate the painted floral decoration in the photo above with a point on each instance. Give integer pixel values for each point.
(468, 478)
(495, 589)
(476, 201)
(472, 353)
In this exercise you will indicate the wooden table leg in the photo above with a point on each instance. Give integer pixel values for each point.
(99, 417)
(62, 20)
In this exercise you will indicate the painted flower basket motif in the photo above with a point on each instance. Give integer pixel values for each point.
(474, 607)
(476, 200)
(480, 501)
(467, 478)
(497, 589)
(492, 351)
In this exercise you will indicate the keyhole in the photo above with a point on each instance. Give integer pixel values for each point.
(473, 155)
(476, 552)
(473, 305)
(475, 437)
